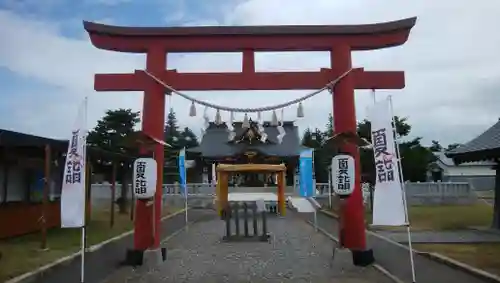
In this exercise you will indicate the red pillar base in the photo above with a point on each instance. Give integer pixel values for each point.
(138, 257)
(362, 258)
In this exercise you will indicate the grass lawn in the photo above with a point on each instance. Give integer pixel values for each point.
(450, 217)
(444, 217)
(22, 254)
(482, 256)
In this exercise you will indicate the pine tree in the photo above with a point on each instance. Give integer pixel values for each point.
(178, 140)
(172, 134)
(314, 140)
(173, 138)
(113, 133)
(329, 126)
(188, 138)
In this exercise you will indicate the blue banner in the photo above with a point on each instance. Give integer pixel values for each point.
(306, 186)
(182, 171)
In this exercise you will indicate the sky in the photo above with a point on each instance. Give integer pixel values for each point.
(451, 61)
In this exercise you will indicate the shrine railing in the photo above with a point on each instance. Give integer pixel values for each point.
(209, 189)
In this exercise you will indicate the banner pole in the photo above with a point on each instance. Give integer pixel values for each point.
(153, 211)
(185, 198)
(315, 220)
(330, 185)
(86, 179)
(401, 181)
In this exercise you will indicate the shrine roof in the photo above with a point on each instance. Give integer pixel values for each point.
(12, 139)
(215, 143)
(16, 139)
(486, 146)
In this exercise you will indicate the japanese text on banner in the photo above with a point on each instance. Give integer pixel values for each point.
(384, 161)
(74, 163)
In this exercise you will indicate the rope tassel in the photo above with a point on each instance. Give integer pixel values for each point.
(192, 110)
(246, 122)
(300, 110)
(281, 129)
(274, 121)
(206, 119)
(218, 118)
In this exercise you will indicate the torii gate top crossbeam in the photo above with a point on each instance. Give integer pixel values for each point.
(256, 38)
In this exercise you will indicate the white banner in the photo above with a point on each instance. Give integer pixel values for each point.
(388, 204)
(73, 183)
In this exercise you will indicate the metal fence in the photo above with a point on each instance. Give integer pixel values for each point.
(202, 194)
(434, 193)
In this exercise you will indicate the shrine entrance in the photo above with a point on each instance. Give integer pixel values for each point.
(223, 170)
(341, 79)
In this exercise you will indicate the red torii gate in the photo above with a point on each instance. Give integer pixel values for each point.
(339, 40)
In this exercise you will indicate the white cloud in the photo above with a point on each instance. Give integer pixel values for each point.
(450, 63)
(448, 57)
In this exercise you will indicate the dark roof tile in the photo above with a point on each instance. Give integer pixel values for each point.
(215, 142)
(485, 146)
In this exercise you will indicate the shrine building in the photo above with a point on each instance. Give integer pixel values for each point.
(248, 144)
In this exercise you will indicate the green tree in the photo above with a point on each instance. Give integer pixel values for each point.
(172, 134)
(174, 139)
(329, 126)
(315, 140)
(415, 157)
(112, 133)
(178, 139)
(415, 160)
(188, 138)
(402, 128)
(113, 129)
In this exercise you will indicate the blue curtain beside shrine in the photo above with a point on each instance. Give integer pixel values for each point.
(306, 173)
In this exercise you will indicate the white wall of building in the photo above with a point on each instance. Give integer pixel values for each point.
(466, 170)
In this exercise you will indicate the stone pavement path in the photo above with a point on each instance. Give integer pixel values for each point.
(298, 254)
(445, 237)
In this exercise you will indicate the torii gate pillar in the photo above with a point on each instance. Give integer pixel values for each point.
(153, 120)
(352, 229)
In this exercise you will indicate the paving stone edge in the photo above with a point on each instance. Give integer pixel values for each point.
(32, 275)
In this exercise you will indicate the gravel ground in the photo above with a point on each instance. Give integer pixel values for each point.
(297, 254)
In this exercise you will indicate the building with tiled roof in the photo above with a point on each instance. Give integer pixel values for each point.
(247, 146)
(485, 147)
